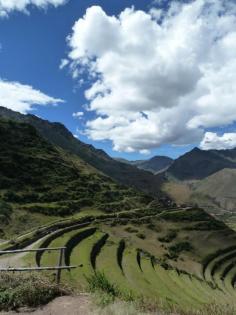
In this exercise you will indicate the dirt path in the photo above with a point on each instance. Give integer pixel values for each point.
(82, 305)
(16, 260)
(66, 305)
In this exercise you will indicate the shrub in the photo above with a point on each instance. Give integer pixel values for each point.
(189, 215)
(169, 237)
(5, 212)
(130, 229)
(181, 246)
(11, 196)
(17, 290)
(207, 226)
(141, 235)
(176, 249)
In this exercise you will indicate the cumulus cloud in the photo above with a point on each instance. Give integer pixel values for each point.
(157, 80)
(63, 64)
(21, 98)
(7, 6)
(212, 141)
(78, 115)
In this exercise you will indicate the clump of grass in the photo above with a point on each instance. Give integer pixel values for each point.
(27, 290)
(130, 229)
(154, 227)
(99, 282)
(141, 235)
(170, 236)
(105, 291)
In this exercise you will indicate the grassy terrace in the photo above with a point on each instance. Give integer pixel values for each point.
(147, 253)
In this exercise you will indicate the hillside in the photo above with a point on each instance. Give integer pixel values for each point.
(41, 181)
(169, 257)
(154, 165)
(57, 134)
(120, 241)
(215, 193)
(198, 164)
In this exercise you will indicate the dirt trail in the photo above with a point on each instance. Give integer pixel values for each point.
(82, 305)
(16, 260)
(66, 305)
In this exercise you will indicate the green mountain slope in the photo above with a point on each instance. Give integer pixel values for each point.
(39, 178)
(58, 135)
(198, 164)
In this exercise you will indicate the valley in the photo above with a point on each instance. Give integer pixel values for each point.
(170, 253)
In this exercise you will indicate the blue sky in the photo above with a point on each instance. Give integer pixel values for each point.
(32, 46)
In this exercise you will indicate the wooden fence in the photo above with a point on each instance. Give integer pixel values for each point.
(57, 268)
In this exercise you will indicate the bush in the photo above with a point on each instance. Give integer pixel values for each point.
(11, 196)
(207, 226)
(130, 229)
(169, 237)
(181, 246)
(189, 215)
(5, 212)
(141, 235)
(32, 290)
(176, 249)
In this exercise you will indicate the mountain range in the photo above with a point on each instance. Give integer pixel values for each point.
(160, 176)
(198, 164)
(58, 135)
(205, 178)
(155, 165)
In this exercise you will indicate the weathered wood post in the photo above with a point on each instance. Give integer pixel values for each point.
(61, 257)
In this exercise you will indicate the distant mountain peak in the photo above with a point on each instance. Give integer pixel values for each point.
(198, 164)
(155, 165)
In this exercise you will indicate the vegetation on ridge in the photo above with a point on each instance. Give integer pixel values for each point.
(39, 178)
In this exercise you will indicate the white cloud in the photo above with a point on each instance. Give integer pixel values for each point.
(157, 81)
(21, 98)
(7, 6)
(63, 64)
(78, 115)
(212, 141)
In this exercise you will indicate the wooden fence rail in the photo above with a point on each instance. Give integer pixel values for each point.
(58, 268)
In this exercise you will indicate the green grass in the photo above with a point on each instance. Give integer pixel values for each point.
(146, 277)
(81, 257)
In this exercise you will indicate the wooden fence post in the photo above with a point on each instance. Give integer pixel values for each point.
(58, 268)
(61, 257)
